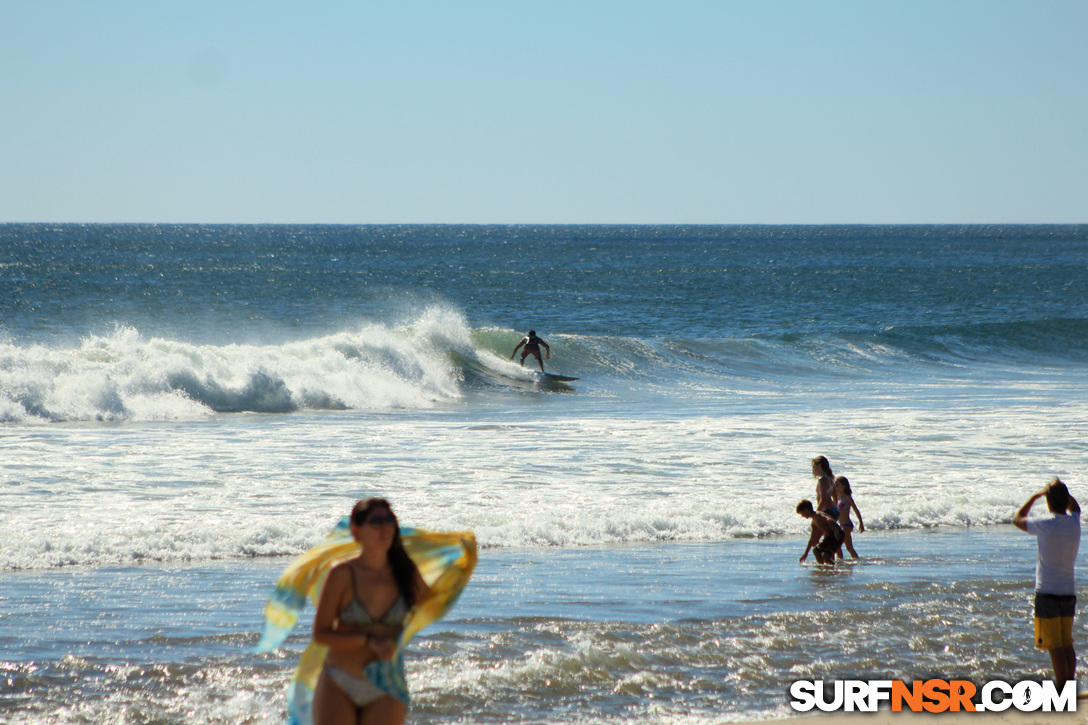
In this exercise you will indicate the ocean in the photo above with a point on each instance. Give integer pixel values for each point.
(183, 408)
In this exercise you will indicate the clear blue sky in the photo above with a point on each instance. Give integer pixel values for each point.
(591, 111)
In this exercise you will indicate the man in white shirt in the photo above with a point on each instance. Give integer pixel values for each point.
(1058, 536)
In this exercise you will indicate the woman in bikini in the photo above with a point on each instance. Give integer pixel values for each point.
(359, 616)
(825, 487)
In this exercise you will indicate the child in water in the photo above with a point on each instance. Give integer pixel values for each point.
(844, 499)
(827, 536)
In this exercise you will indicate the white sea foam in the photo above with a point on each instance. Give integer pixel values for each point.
(251, 485)
(125, 376)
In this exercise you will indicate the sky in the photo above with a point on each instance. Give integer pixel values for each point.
(510, 111)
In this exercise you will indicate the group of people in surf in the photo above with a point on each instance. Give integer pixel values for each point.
(832, 527)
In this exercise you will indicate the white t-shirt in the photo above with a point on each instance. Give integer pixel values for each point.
(1059, 539)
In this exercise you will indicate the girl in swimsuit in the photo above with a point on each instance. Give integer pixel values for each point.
(825, 487)
(845, 501)
(359, 617)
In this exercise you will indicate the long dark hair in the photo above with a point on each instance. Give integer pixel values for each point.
(404, 569)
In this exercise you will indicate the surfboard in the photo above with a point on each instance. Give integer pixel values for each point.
(556, 378)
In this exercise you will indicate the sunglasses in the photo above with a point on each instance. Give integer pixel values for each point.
(360, 518)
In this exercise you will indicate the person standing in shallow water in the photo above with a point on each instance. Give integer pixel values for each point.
(1058, 536)
(359, 616)
(825, 487)
(826, 538)
(532, 345)
(844, 499)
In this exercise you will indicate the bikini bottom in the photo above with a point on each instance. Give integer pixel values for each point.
(359, 690)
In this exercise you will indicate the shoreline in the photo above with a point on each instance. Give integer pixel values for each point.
(740, 617)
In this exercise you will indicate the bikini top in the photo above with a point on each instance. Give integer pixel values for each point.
(355, 613)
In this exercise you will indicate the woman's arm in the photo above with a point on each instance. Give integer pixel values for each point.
(421, 588)
(334, 597)
(384, 644)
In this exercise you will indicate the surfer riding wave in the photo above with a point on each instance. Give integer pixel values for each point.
(532, 345)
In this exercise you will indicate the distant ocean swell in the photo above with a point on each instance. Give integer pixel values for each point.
(129, 376)
(1048, 339)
